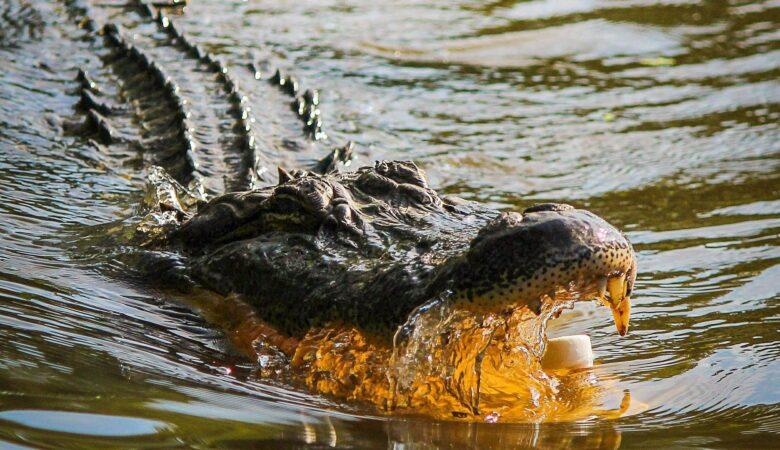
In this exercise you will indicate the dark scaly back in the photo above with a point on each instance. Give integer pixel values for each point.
(362, 247)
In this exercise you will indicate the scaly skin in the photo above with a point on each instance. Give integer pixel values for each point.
(336, 267)
(368, 247)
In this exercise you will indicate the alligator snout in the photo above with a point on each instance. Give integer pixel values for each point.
(524, 259)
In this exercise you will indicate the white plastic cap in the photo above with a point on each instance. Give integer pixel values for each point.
(568, 352)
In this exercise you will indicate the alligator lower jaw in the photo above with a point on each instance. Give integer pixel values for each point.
(609, 290)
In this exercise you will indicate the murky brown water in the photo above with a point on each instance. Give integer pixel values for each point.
(660, 116)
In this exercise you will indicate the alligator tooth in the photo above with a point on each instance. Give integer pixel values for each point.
(601, 290)
(621, 314)
(619, 302)
(617, 289)
(183, 113)
(347, 152)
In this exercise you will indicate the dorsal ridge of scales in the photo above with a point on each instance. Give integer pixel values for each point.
(211, 145)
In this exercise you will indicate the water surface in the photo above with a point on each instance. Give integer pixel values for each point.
(661, 116)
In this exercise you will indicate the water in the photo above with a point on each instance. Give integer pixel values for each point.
(660, 116)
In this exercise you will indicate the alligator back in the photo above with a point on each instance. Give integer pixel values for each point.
(358, 247)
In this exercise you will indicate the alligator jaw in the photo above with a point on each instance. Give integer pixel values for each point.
(621, 314)
(618, 300)
(549, 253)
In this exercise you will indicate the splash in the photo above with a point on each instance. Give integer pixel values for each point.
(471, 361)
(451, 361)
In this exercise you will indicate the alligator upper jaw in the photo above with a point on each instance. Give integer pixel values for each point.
(610, 291)
(617, 300)
(549, 255)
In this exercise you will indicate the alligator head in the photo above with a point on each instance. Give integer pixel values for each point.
(370, 246)
(343, 264)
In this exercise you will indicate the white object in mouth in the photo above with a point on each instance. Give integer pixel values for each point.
(568, 352)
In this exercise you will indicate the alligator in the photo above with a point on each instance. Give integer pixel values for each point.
(339, 267)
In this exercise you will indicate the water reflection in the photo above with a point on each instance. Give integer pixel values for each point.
(596, 39)
(661, 116)
(82, 423)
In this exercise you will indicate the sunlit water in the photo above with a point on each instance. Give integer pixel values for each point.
(660, 116)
